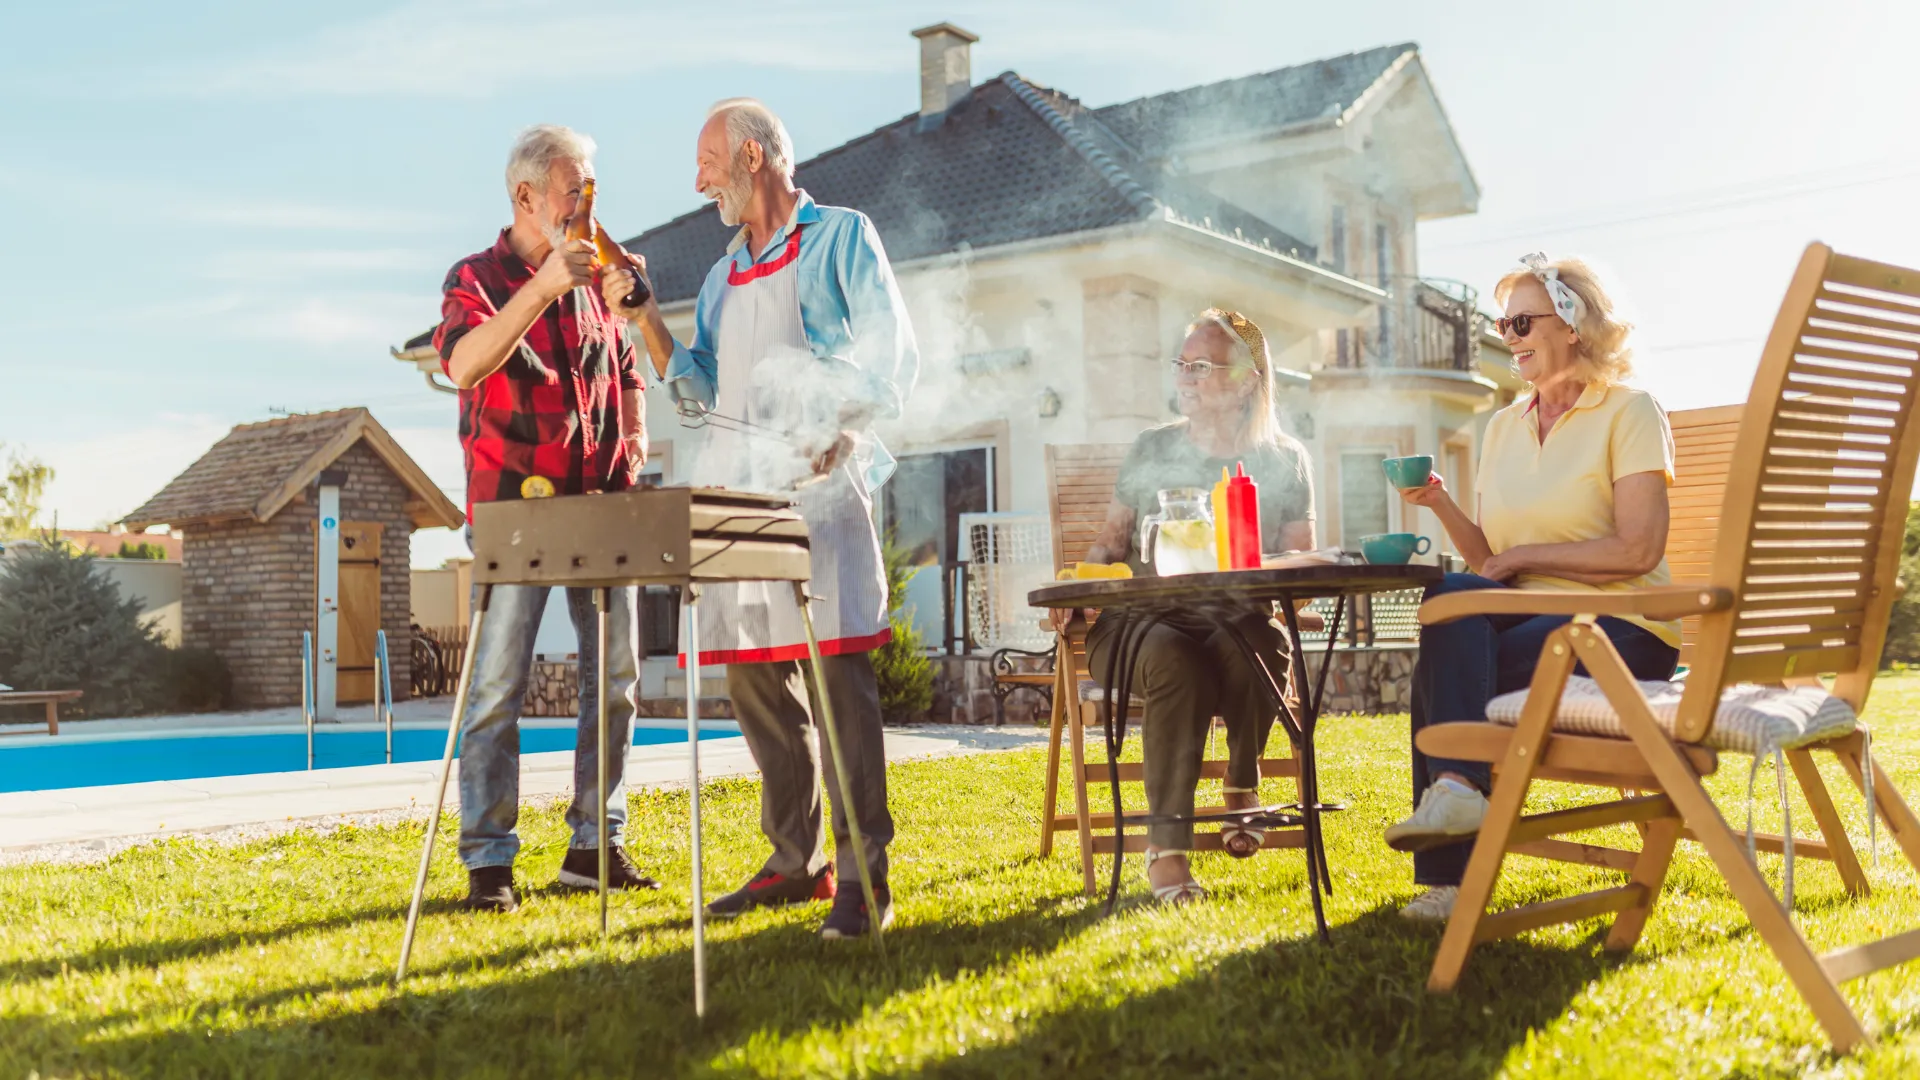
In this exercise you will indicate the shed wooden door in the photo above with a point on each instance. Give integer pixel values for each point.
(359, 609)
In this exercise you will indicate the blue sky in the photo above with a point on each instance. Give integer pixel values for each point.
(221, 209)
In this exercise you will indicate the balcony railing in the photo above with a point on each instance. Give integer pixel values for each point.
(1424, 324)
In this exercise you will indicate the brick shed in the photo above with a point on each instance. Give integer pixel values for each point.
(249, 515)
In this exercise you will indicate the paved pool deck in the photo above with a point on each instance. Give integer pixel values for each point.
(73, 822)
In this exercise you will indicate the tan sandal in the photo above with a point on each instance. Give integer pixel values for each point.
(1180, 892)
(1238, 840)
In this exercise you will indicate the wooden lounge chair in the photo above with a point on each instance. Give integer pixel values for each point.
(1080, 483)
(52, 699)
(1798, 585)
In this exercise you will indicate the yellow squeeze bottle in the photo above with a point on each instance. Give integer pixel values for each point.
(1221, 560)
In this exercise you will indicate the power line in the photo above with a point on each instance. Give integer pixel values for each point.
(1709, 206)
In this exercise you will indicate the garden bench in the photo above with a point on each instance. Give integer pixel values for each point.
(50, 698)
(1792, 578)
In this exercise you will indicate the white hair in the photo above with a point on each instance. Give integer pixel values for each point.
(538, 147)
(747, 119)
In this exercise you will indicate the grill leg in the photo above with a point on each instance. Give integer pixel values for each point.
(602, 600)
(692, 639)
(440, 798)
(840, 767)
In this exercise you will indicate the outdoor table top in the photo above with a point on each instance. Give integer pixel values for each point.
(1235, 586)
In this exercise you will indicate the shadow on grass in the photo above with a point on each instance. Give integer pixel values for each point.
(516, 1014)
(1296, 1007)
(1357, 1008)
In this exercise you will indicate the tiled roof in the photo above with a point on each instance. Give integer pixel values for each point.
(1013, 162)
(254, 470)
(1320, 92)
(1016, 161)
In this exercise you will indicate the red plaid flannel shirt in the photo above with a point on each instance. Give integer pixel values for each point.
(553, 409)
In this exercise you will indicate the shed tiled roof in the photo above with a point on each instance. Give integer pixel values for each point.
(251, 472)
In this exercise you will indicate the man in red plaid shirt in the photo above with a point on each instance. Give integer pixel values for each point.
(550, 403)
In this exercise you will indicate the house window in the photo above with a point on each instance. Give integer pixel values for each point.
(920, 509)
(1363, 496)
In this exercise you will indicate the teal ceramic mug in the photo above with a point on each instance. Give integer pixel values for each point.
(1408, 472)
(1393, 549)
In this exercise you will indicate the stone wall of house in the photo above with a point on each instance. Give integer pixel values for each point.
(553, 689)
(249, 586)
(1366, 679)
(1363, 680)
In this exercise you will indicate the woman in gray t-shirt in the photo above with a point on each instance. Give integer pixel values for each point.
(1186, 670)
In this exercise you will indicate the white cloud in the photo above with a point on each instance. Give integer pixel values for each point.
(102, 477)
(295, 264)
(368, 320)
(442, 48)
(294, 214)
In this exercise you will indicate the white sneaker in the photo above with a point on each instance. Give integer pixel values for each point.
(1447, 813)
(1434, 905)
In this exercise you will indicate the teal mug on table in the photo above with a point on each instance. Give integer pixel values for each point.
(1408, 472)
(1393, 549)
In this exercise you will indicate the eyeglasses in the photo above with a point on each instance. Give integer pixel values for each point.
(1522, 325)
(1201, 370)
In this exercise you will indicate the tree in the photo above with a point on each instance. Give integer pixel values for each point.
(1903, 622)
(21, 490)
(145, 550)
(901, 666)
(65, 626)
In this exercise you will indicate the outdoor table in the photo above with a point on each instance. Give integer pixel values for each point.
(1220, 596)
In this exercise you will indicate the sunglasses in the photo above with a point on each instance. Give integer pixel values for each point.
(1202, 369)
(1522, 325)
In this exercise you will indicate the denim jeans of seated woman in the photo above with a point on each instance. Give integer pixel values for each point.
(1465, 664)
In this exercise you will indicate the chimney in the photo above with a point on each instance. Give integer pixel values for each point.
(946, 68)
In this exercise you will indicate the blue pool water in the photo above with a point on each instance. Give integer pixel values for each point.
(86, 761)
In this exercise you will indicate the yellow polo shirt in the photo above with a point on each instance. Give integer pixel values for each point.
(1561, 490)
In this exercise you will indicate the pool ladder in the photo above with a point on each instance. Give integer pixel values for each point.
(382, 689)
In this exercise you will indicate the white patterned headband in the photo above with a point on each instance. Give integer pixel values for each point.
(1566, 303)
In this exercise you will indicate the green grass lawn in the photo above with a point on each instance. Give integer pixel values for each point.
(275, 959)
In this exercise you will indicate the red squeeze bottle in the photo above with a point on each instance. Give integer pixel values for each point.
(1243, 520)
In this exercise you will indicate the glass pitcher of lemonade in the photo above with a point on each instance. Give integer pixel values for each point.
(1179, 539)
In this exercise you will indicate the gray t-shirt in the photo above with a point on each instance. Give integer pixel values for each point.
(1163, 457)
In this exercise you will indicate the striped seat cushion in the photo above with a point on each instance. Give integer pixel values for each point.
(1750, 719)
(1093, 692)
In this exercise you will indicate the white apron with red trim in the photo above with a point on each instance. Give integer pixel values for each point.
(767, 376)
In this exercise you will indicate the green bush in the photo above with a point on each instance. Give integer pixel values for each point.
(901, 666)
(195, 680)
(146, 549)
(64, 626)
(1903, 623)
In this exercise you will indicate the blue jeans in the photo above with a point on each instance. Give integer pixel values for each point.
(1465, 664)
(490, 730)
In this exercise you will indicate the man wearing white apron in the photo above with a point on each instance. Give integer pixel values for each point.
(800, 341)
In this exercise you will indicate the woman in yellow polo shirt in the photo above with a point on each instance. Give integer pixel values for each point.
(1573, 497)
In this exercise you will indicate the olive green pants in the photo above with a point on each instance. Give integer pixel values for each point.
(1187, 671)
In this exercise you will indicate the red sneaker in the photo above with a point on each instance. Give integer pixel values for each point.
(768, 889)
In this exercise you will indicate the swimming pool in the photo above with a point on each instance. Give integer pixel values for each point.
(67, 761)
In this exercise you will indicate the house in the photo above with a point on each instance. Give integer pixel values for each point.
(248, 511)
(1052, 253)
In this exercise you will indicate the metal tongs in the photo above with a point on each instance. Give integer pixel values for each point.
(695, 413)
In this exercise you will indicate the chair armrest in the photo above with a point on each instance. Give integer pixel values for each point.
(1664, 602)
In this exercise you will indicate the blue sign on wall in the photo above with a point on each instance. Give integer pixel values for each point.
(326, 523)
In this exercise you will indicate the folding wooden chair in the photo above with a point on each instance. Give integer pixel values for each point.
(1080, 481)
(1799, 584)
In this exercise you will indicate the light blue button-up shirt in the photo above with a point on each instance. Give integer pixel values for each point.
(850, 307)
